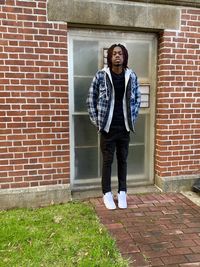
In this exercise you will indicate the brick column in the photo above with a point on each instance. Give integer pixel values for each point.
(34, 114)
(178, 102)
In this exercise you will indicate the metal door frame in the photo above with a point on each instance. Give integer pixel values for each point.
(82, 34)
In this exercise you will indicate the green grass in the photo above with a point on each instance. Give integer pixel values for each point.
(63, 235)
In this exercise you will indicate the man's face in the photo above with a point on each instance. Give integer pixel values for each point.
(117, 57)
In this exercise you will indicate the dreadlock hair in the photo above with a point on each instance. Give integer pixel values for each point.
(110, 52)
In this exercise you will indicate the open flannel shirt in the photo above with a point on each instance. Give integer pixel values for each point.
(101, 97)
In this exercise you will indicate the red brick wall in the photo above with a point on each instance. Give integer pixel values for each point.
(34, 121)
(178, 99)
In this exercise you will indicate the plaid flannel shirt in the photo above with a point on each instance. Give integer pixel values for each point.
(100, 100)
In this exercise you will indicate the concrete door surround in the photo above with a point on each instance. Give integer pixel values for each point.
(192, 3)
(121, 14)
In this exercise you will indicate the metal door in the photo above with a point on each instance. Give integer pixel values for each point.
(87, 54)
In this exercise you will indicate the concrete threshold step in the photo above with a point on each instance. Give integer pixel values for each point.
(85, 192)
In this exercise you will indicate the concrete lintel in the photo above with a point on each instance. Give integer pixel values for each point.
(115, 13)
(188, 3)
(34, 197)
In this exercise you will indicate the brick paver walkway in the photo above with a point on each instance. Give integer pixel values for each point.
(155, 230)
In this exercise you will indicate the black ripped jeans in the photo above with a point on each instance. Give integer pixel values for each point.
(117, 139)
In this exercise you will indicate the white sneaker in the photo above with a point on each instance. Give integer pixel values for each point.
(122, 203)
(108, 201)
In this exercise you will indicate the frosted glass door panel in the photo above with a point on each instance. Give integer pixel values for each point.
(81, 85)
(86, 163)
(85, 64)
(85, 132)
(139, 58)
(85, 57)
(136, 160)
(139, 135)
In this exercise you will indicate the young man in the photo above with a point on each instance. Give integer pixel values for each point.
(113, 104)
